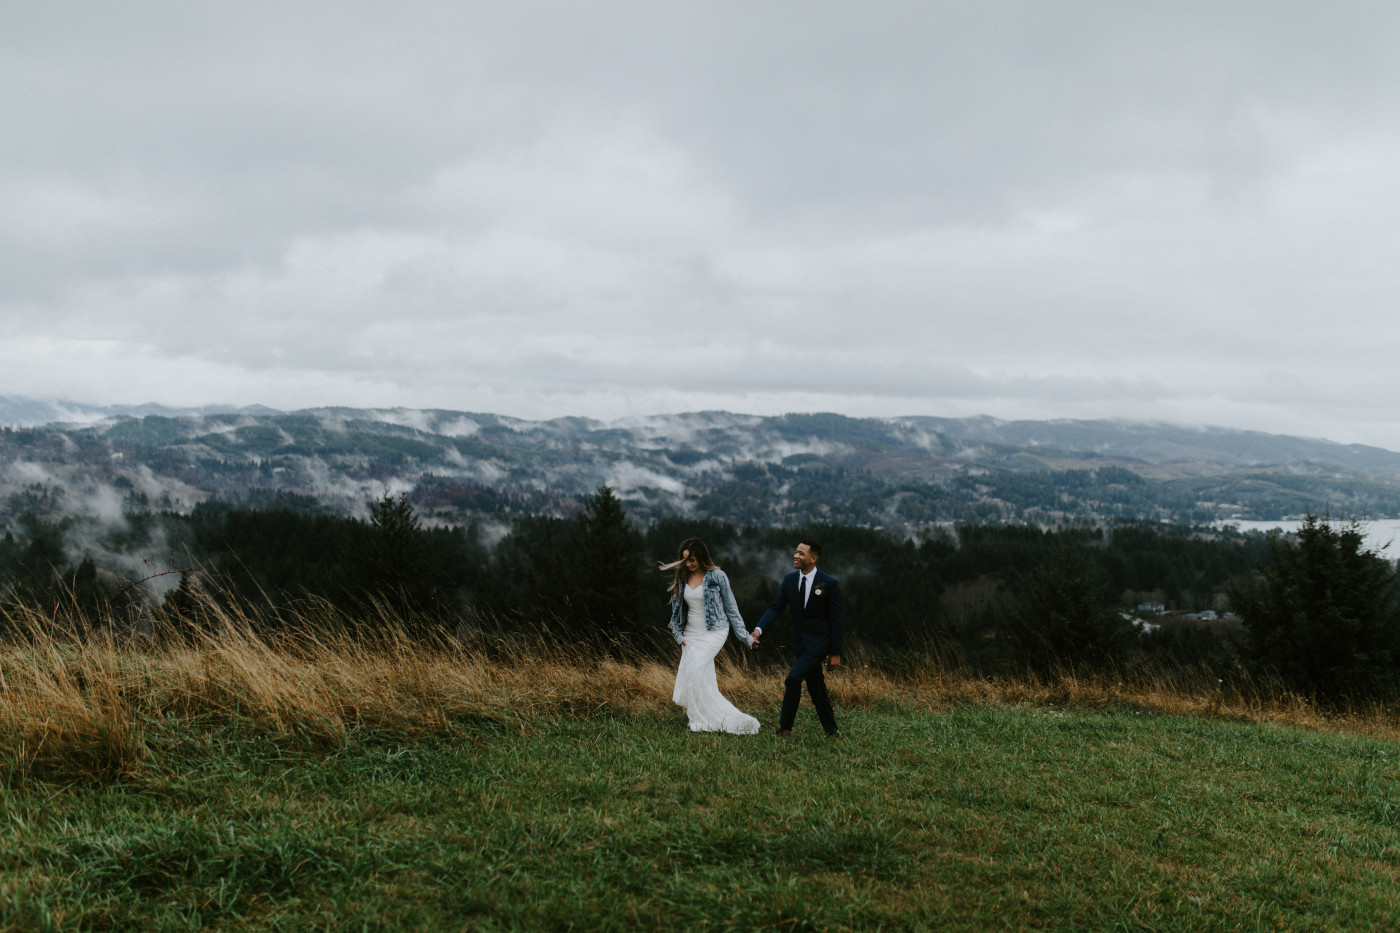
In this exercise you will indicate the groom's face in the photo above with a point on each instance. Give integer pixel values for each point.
(802, 558)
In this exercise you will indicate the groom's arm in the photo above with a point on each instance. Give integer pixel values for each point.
(833, 615)
(779, 603)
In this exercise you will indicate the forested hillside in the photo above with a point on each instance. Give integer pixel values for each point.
(997, 543)
(745, 470)
(592, 576)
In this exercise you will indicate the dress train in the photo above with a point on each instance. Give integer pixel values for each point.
(697, 687)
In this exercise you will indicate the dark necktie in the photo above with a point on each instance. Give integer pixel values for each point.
(801, 592)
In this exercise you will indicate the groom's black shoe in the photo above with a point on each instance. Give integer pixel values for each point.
(784, 733)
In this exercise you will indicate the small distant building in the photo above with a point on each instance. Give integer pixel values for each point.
(1151, 607)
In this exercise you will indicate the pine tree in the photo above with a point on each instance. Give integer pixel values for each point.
(387, 561)
(606, 562)
(1067, 617)
(184, 606)
(1323, 613)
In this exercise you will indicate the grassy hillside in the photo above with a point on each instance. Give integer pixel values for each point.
(230, 784)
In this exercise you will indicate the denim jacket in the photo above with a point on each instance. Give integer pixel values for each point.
(719, 608)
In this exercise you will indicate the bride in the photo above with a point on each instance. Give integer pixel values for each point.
(702, 612)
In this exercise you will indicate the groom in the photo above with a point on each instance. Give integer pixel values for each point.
(815, 600)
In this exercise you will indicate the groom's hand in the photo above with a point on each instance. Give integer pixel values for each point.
(836, 660)
(753, 635)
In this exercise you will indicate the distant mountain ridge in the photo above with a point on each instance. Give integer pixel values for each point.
(1164, 443)
(19, 412)
(788, 469)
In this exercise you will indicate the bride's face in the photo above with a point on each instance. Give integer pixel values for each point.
(691, 563)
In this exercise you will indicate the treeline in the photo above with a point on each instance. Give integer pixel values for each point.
(596, 569)
(992, 596)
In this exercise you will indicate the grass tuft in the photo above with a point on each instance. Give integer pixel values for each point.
(77, 703)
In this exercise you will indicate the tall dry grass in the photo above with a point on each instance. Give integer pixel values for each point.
(81, 702)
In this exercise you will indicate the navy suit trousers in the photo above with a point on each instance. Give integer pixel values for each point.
(808, 668)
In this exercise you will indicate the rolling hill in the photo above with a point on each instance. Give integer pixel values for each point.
(746, 469)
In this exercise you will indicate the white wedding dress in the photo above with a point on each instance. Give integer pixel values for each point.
(696, 687)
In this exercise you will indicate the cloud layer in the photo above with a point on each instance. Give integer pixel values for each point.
(1177, 212)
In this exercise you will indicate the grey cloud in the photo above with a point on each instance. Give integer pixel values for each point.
(1074, 209)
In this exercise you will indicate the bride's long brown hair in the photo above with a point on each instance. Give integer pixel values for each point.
(697, 550)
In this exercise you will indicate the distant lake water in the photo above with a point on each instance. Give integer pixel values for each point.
(1383, 534)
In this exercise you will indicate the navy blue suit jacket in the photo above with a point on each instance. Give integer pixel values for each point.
(816, 628)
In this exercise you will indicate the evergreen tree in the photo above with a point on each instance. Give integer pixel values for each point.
(529, 570)
(606, 563)
(87, 593)
(388, 559)
(1067, 616)
(184, 606)
(42, 557)
(1323, 613)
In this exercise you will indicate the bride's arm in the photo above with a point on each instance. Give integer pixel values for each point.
(731, 610)
(677, 623)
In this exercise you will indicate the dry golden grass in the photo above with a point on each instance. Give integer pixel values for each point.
(77, 704)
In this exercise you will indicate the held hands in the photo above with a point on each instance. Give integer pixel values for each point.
(754, 635)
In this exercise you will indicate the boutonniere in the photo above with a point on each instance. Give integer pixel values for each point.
(817, 590)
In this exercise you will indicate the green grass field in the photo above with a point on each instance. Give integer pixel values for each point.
(974, 818)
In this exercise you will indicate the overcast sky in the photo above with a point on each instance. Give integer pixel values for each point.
(1165, 211)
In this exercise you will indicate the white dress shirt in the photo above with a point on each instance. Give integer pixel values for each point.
(810, 578)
